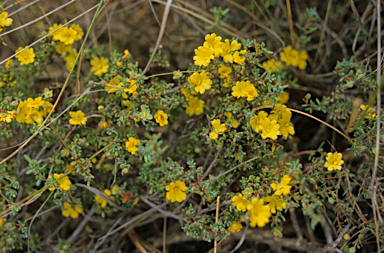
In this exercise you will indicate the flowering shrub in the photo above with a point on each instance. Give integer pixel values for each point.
(213, 147)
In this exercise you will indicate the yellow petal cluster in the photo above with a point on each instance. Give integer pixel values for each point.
(258, 212)
(176, 191)
(25, 57)
(63, 181)
(32, 111)
(72, 211)
(102, 201)
(200, 81)
(131, 145)
(235, 227)
(244, 89)
(4, 20)
(334, 161)
(99, 66)
(282, 188)
(161, 118)
(294, 57)
(218, 128)
(241, 203)
(271, 65)
(77, 118)
(195, 106)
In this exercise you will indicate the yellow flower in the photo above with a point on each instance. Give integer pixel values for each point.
(69, 211)
(270, 129)
(283, 98)
(283, 188)
(102, 201)
(235, 227)
(67, 35)
(213, 41)
(217, 129)
(34, 116)
(1, 221)
(8, 63)
(161, 118)
(4, 20)
(35, 103)
(255, 121)
(286, 127)
(259, 213)
(203, 56)
(224, 71)
(55, 35)
(195, 106)
(47, 109)
(228, 48)
(240, 202)
(334, 161)
(62, 48)
(201, 81)
(271, 65)
(131, 145)
(118, 64)
(126, 52)
(77, 118)
(70, 58)
(234, 122)
(132, 86)
(370, 114)
(275, 202)
(99, 66)
(26, 57)
(176, 191)
(280, 112)
(22, 111)
(294, 57)
(244, 89)
(8, 117)
(227, 81)
(79, 31)
(64, 183)
(114, 85)
(239, 56)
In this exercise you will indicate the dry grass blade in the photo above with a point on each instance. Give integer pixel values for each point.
(101, 195)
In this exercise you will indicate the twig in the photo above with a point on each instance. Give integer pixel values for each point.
(80, 227)
(288, 2)
(165, 234)
(157, 208)
(216, 220)
(241, 240)
(344, 231)
(295, 224)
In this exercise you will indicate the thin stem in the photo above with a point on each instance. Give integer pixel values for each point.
(25, 31)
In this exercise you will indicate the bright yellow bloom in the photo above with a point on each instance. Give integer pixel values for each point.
(235, 227)
(255, 121)
(99, 66)
(224, 71)
(334, 161)
(70, 58)
(22, 111)
(195, 106)
(102, 201)
(259, 213)
(275, 202)
(126, 53)
(283, 188)
(286, 127)
(203, 56)
(26, 57)
(294, 57)
(131, 145)
(213, 41)
(62, 48)
(114, 85)
(217, 129)
(1, 221)
(4, 20)
(370, 114)
(161, 118)
(8, 117)
(271, 65)
(234, 122)
(35, 103)
(8, 63)
(240, 202)
(64, 183)
(77, 118)
(283, 98)
(79, 31)
(67, 35)
(103, 125)
(34, 116)
(228, 48)
(55, 35)
(270, 129)
(244, 89)
(176, 191)
(132, 86)
(69, 211)
(201, 81)
(239, 56)
(118, 64)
